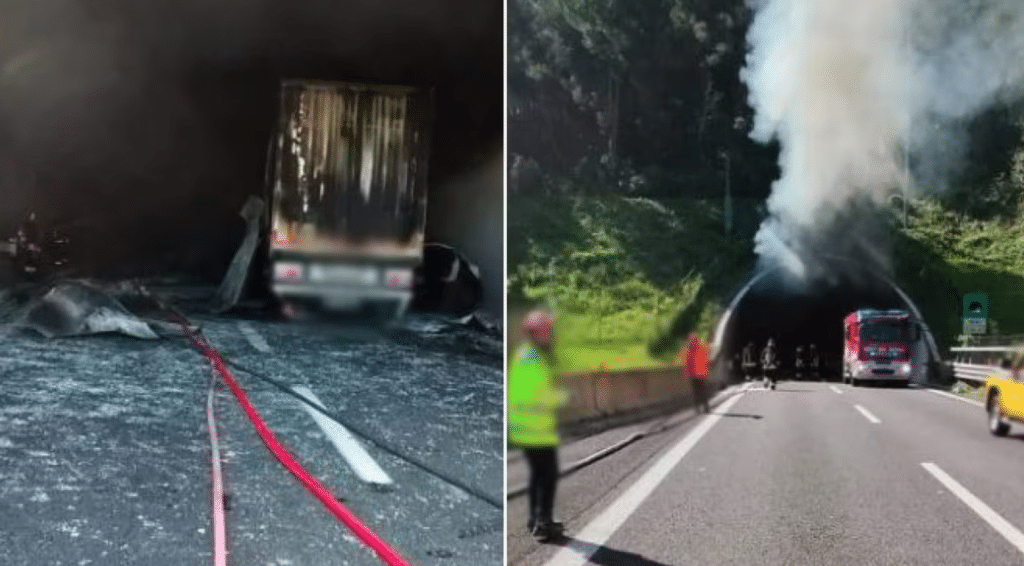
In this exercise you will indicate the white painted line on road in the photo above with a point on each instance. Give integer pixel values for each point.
(357, 457)
(958, 398)
(253, 337)
(594, 535)
(1009, 532)
(219, 531)
(836, 389)
(867, 415)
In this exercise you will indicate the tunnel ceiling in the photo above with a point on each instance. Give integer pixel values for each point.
(152, 119)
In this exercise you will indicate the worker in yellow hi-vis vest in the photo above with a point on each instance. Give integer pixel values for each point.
(533, 401)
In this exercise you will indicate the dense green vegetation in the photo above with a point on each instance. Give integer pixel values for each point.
(629, 277)
(633, 98)
(944, 254)
(626, 275)
(624, 119)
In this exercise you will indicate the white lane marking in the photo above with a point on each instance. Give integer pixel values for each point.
(253, 337)
(836, 389)
(867, 415)
(1009, 532)
(958, 398)
(219, 530)
(594, 535)
(357, 457)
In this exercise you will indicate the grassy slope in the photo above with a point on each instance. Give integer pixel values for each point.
(621, 271)
(944, 255)
(624, 274)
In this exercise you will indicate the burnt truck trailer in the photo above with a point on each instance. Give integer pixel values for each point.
(347, 174)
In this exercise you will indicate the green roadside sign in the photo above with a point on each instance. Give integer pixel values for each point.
(975, 313)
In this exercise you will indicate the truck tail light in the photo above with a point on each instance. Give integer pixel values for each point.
(398, 278)
(282, 237)
(288, 271)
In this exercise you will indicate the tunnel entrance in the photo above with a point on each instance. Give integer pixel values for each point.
(140, 134)
(800, 315)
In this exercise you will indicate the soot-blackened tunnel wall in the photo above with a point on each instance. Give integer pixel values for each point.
(809, 313)
(145, 144)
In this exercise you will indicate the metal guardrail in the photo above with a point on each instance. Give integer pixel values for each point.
(1002, 340)
(975, 373)
(973, 364)
(988, 349)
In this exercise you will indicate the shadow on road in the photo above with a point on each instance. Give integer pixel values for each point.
(740, 415)
(607, 556)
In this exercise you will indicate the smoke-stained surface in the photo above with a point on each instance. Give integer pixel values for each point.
(474, 205)
(849, 87)
(147, 122)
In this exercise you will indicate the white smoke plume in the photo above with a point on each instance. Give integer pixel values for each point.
(850, 89)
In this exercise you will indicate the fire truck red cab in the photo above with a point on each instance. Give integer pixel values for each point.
(882, 345)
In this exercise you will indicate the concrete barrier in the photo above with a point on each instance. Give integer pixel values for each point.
(602, 400)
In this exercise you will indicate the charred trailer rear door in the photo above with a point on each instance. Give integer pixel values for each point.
(348, 193)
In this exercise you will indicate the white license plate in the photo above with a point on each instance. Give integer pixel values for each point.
(343, 274)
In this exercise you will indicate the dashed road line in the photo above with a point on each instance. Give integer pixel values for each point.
(357, 457)
(997, 522)
(592, 538)
(836, 389)
(958, 398)
(254, 337)
(867, 414)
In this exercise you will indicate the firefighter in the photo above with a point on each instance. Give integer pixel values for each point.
(532, 420)
(695, 359)
(28, 251)
(749, 361)
(770, 364)
(815, 362)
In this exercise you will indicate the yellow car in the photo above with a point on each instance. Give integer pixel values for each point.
(1004, 401)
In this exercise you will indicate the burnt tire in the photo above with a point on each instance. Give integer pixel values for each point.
(997, 424)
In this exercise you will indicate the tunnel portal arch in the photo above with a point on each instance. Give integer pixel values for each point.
(809, 312)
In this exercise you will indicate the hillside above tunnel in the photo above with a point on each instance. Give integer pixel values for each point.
(629, 277)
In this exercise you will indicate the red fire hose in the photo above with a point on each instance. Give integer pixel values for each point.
(388, 555)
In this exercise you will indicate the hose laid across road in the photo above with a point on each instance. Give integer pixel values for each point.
(387, 554)
(220, 550)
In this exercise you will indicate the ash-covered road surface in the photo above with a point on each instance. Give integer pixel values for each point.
(105, 449)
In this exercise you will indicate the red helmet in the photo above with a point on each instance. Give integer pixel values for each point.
(540, 327)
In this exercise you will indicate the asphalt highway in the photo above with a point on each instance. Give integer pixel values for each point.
(811, 473)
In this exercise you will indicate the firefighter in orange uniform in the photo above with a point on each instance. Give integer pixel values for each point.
(695, 359)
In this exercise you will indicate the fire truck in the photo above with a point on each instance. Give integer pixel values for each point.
(883, 345)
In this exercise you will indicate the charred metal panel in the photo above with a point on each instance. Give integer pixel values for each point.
(350, 168)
